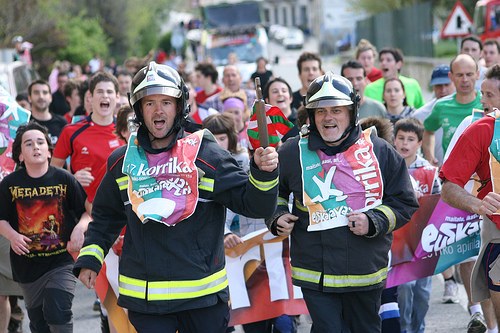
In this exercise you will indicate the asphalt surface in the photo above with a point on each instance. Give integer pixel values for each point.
(441, 318)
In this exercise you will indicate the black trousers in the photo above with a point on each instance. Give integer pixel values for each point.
(212, 319)
(348, 312)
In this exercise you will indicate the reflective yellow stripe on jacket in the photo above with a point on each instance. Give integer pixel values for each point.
(282, 202)
(122, 182)
(263, 186)
(94, 251)
(391, 217)
(171, 290)
(300, 206)
(339, 281)
(206, 184)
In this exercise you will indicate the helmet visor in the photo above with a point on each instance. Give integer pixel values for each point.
(328, 102)
(155, 90)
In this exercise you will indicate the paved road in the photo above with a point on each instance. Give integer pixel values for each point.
(441, 318)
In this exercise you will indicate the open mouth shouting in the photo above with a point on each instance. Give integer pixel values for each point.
(330, 129)
(159, 124)
(104, 105)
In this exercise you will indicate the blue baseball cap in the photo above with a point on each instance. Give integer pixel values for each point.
(440, 75)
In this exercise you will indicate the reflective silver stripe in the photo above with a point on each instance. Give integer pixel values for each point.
(94, 251)
(206, 184)
(305, 275)
(282, 201)
(184, 289)
(132, 287)
(338, 281)
(204, 200)
(263, 186)
(122, 183)
(389, 214)
(170, 290)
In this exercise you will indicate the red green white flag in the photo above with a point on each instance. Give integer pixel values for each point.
(277, 126)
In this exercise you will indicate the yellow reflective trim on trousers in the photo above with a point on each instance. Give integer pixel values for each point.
(122, 182)
(390, 216)
(339, 281)
(300, 206)
(132, 287)
(305, 275)
(263, 186)
(206, 184)
(94, 251)
(171, 290)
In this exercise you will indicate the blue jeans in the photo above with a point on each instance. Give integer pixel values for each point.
(413, 300)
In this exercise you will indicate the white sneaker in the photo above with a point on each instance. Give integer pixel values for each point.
(477, 324)
(450, 292)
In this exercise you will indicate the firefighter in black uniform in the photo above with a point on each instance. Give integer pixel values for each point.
(351, 190)
(171, 190)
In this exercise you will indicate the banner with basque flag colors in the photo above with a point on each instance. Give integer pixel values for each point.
(12, 115)
(277, 126)
(106, 287)
(260, 282)
(438, 236)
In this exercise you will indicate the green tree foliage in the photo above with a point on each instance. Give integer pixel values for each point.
(84, 38)
(76, 30)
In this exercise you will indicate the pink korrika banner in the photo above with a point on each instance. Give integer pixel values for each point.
(438, 236)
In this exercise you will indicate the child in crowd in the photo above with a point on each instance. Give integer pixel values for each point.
(413, 297)
(44, 217)
(222, 127)
(125, 122)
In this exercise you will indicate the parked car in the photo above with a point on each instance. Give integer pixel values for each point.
(277, 32)
(16, 76)
(294, 39)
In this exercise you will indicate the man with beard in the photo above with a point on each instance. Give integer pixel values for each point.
(40, 98)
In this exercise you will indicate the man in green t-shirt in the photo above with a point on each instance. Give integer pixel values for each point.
(449, 111)
(391, 61)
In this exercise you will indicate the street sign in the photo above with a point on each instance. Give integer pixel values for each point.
(458, 22)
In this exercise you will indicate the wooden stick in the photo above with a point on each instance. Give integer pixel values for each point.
(260, 110)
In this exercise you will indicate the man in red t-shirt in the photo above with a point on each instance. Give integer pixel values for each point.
(90, 141)
(206, 75)
(471, 155)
